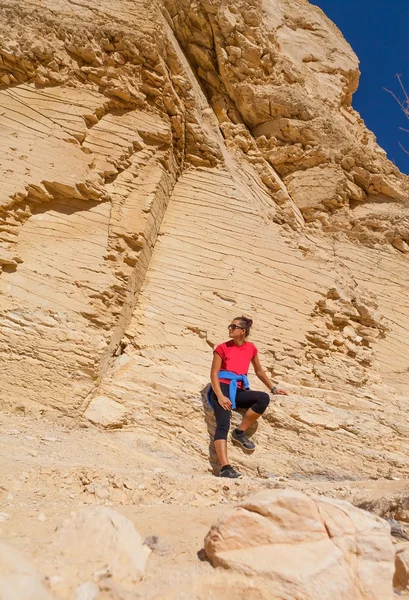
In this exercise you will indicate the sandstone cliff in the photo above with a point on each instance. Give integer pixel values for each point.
(166, 166)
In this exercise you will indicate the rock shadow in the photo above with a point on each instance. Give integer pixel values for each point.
(202, 556)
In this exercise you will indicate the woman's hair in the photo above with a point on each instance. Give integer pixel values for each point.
(246, 323)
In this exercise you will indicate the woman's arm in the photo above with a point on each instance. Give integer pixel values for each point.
(261, 374)
(214, 378)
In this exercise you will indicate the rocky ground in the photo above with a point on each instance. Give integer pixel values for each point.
(49, 470)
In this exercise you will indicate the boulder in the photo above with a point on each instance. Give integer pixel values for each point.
(305, 547)
(98, 545)
(18, 578)
(106, 412)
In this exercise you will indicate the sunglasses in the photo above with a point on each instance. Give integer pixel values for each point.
(233, 327)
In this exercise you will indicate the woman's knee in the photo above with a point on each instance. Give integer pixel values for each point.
(222, 421)
(262, 403)
(221, 432)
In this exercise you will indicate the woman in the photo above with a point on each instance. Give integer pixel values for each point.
(230, 390)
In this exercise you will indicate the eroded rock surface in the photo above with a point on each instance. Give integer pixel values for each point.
(165, 169)
(305, 547)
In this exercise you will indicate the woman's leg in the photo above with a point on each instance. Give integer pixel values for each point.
(221, 451)
(256, 402)
(249, 418)
(222, 427)
(220, 441)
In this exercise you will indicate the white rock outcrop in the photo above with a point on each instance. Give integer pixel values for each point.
(305, 547)
(106, 412)
(96, 546)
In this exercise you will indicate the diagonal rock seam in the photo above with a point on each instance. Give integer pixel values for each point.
(158, 207)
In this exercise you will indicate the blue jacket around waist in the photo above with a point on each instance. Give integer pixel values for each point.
(234, 379)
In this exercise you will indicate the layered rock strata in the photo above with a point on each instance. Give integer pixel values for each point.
(167, 167)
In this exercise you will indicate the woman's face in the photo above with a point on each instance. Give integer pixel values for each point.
(236, 331)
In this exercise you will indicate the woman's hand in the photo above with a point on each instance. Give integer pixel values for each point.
(224, 402)
(279, 392)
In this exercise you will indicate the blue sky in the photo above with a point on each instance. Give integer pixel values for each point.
(378, 31)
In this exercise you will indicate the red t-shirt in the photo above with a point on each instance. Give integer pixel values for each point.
(236, 358)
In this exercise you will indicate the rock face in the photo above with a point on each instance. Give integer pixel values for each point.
(97, 546)
(166, 169)
(18, 577)
(305, 547)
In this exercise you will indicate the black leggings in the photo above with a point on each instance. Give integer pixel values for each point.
(257, 401)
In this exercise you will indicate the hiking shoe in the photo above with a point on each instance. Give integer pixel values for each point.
(229, 472)
(241, 438)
